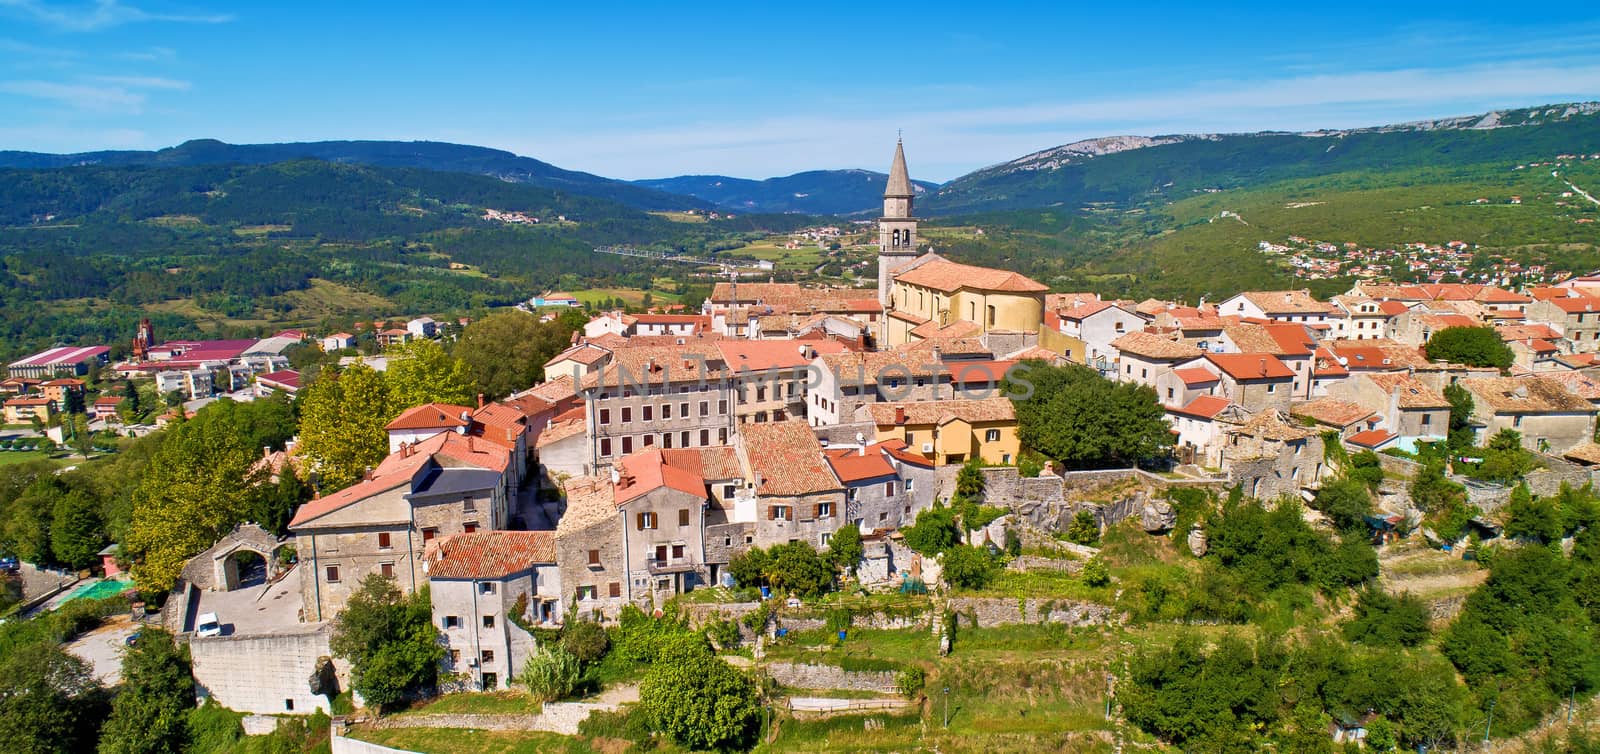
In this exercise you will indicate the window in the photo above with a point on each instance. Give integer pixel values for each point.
(666, 439)
(288, 705)
(683, 409)
(727, 491)
(455, 657)
(992, 435)
(824, 510)
(705, 437)
(490, 680)
(677, 552)
(705, 408)
(722, 436)
(469, 527)
(613, 589)
(778, 513)
(1272, 387)
(824, 539)
(605, 446)
(586, 593)
(910, 483)
(1517, 422)
(882, 517)
(488, 621)
(683, 517)
(888, 488)
(992, 317)
(488, 656)
(594, 557)
(486, 587)
(387, 569)
(452, 621)
(666, 410)
(722, 406)
(469, 505)
(627, 415)
(605, 416)
(683, 437)
(647, 520)
(647, 440)
(627, 445)
(429, 533)
(333, 574)
(647, 411)
(1169, 393)
(1427, 419)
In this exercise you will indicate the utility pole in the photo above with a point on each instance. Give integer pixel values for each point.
(947, 707)
(1489, 723)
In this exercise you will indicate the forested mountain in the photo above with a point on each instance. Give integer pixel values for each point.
(818, 192)
(86, 251)
(1133, 170)
(428, 155)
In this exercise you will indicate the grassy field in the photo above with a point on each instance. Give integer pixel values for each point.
(9, 457)
(514, 702)
(631, 296)
(460, 741)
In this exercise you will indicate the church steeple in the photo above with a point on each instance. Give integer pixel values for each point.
(897, 229)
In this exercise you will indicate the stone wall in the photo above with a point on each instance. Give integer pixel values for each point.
(989, 612)
(807, 676)
(1037, 563)
(265, 673)
(1399, 467)
(1547, 481)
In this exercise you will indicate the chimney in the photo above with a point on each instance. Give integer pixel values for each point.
(899, 414)
(466, 421)
(480, 400)
(1263, 367)
(616, 476)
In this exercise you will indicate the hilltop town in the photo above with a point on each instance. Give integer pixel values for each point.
(845, 489)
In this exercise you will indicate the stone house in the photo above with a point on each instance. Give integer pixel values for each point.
(1577, 318)
(383, 524)
(1272, 456)
(577, 361)
(1344, 417)
(1365, 318)
(589, 549)
(1293, 344)
(949, 431)
(655, 396)
(930, 288)
(1415, 326)
(1179, 386)
(1143, 357)
(1098, 324)
(1255, 381)
(876, 495)
(1283, 306)
(478, 583)
(1550, 418)
(842, 383)
(662, 508)
(562, 450)
(796, 497)
(769, 377)
(1408, 407)
(425, 421)
(1199, 426)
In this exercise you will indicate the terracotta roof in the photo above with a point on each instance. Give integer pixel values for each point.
(1154, 346)
(585, 353)
(1524, 395)
(1372, 438)
(1203, 406)
(1059, 302)
(27, 402)
(865, 367)
(553, 390)
(944, 275)
(951, 346)
(794, 296)
(853, 465)
(902, 453)
(65, 382)
(1286, 302)
(1577, 304)
(431, 416)
(647, 471)
(762, 355)
(654, 366)
(1523, 332)
(288, 378)
(1585, 385)
(786, 458)
(1413, 394)
(563, 426)
(1284, 339)
(712, 462)
(1087, 310)
(1588, 453)
(1195, 375)
(957, 329)
(399, 473)
(108, 400)
(490, 554)
(1334, 413)
(1250, 366)
(589, 501)
(996, 409)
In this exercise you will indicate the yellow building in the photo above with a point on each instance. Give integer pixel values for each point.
(24, 410)
(950, 431)
(934, 289)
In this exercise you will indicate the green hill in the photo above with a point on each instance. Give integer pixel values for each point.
(817, 192)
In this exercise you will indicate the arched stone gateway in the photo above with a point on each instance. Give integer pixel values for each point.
(247, 556)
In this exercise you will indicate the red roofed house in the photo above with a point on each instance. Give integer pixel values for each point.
(105, 406)
(286, 381)
(1097, 325)
(931, 288)
(475, 583)
(445, 485)
(1576, 317)
(1409, 408)
(1255, 381)
(25, 410)
(422, 422)
(883, 489)
(1284, 306)
(797, 496)
(1199, 427)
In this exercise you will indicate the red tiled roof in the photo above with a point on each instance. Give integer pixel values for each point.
(397, 474)
(647, 471)
(903, 454)
(786, 458)
(490, 554)
(1195, 375)
(1250, 366)
(431, 416)
(853, 465)
(1204, 407)
(288, 378)
(1576, 304)
(1371, 438)
(762, 355)
(945, 275)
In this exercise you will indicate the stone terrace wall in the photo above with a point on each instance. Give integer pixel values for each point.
(807, 676)
(989, 612)
(260, 673)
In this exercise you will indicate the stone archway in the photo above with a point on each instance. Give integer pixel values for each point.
(245, 557)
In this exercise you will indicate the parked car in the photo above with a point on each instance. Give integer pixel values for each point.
(208, 625)
(8, 563)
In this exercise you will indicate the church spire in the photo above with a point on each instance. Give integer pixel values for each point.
(899, 177)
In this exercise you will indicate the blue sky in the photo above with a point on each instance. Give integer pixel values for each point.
(758, 89)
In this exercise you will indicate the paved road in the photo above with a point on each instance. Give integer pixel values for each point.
(102, 648)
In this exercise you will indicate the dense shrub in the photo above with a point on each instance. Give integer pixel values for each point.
(549, 674)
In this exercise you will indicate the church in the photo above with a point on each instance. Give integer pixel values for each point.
(926, 293)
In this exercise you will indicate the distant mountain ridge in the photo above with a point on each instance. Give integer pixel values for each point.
(427, 155)
(1136, 169)
(824, 192)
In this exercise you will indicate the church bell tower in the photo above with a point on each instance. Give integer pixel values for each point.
(897, 229)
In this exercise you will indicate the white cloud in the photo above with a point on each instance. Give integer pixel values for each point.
(102, 99)
(101, 14)
(143, 82)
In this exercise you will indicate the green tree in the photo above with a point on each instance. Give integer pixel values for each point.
(549, 673)
(506, 351)
(585, 640)
(342, 420)
(150, 714)
(1461, 432)
(75, 530)
(1346, 502)
(845, 549)
(701, 702)
(933, 533)
(1472, 346)
(1366, 468)
(749, 568)
(1381, 619)
(1504, 459)
(390, 641)
(969, 480)
(1084, 529)
(1084, 420)
(25, 530)
(1095, 573)
(49, 701)
(968, 567)
(422, 372)
(1536, 519)
(797, 568)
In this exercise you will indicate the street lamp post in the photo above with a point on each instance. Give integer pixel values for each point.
(947, 707)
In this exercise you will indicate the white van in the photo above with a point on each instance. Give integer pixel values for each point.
(207, 625)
